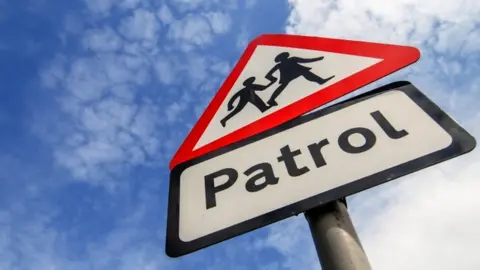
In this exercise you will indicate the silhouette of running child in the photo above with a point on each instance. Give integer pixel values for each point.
(245, 95)
(290, 69)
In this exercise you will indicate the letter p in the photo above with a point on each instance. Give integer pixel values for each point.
(211, 189)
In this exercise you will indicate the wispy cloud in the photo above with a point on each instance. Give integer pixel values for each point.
(165, 15)
(102, 6)
(102, 40)
(32, 237)
(292, 239)
(141, 25)
(126, 93)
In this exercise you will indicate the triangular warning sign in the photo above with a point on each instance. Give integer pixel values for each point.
(280, 77)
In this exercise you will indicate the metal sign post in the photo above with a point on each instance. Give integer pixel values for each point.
(336, 241)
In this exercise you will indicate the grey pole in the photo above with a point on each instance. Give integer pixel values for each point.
(336, 241)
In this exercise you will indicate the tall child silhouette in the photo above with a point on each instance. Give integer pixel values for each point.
(290, 69)
(245, 95)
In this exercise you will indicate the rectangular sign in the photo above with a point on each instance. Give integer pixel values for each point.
(309, 161)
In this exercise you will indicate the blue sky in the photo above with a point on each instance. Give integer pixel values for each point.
(97, 95)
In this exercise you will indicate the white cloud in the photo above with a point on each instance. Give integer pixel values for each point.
(121, 118)
(111, 133)
(102, 40)
(166, 68)
(465, 33)
(174, 110)
(108, 112)
(430, 220)
(27, 242)
(90, 78)
(197, 68)
(100, 6)
(199, 29)
(250, 3)
(123, 92)
(130, 4)
(187, 5)
(31, 237)
(104, 7)
(145, 128)
(292, 239)
(220, 22)
(54, 73)
(190, 5)
(242, 39)
(73, 24)
(87, 79)
(112, 129)
(191, 30)
(423, 23)
(221, 67)
(142, 25)
(165, 14)
(99, 152)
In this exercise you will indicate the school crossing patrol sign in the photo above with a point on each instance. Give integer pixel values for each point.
(252, 158)
(280, 77)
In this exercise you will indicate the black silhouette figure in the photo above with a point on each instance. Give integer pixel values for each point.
(245, 95)
(290, 69)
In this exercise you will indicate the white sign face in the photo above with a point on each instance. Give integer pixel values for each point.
(298, 74)
(294, 176)
(324, 156)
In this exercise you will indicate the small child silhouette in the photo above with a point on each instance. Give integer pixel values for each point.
(245, 95)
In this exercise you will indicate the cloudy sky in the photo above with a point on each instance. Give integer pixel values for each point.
(96, 96)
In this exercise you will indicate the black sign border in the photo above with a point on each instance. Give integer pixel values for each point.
(462, 142)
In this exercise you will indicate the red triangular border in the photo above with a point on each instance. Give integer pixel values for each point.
(394, 57)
